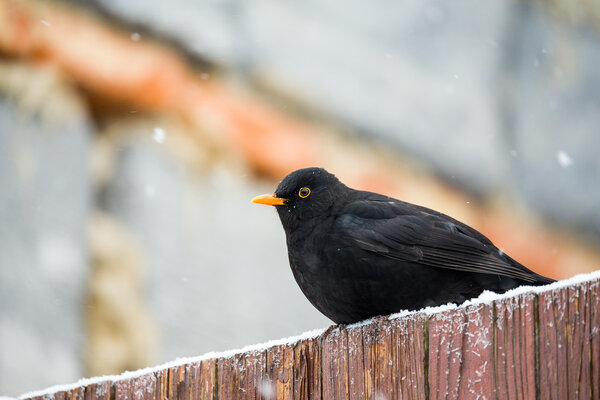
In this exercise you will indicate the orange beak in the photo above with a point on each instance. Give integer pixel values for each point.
(270, 200)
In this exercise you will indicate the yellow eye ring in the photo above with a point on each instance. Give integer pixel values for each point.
(304, 192)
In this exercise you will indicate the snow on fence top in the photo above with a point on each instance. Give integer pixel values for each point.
(529, 343)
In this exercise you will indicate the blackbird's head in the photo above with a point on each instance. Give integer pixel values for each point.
(304, 195)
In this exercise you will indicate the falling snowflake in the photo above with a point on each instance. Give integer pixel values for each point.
(159, 135)
(267, 389)
(564, 160)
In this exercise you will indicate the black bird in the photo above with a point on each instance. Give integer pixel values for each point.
(357, 254)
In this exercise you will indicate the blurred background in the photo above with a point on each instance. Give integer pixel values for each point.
(134, 134)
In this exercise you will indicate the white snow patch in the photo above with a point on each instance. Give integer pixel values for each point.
(176, 363)
(564, 160)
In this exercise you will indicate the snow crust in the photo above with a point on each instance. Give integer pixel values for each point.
(486, 298)
(175, 363)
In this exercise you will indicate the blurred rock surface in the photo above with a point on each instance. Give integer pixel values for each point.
(121, 334)
(489, 94)
(44, 202)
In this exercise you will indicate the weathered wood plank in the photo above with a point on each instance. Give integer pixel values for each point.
(410, 357)
(578, 343)
(145, 387)
(594, 305)
(75, 394)
(241, 386)
(123, 389)
(208, 380)
(256, 380)
(445, 346)
(478, 356)
(461, 357)
(192, 376)
(98, 391)
(179, 387)
(162, 385)
(553, 353)
(279, 371)
(515, 348)
(225, 380)
(379, 366)
(335, 364)
(566, 330)
(533, 346)
(59, 395)
(356, 368)
(307, 370)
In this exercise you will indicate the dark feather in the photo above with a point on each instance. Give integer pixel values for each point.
(392, 229)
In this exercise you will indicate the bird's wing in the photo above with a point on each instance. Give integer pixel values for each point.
(411, 233)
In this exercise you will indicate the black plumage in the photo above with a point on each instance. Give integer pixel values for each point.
(357, 254)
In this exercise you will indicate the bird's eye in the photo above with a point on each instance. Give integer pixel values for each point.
(304, 192)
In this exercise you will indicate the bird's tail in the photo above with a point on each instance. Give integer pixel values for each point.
(536, 279)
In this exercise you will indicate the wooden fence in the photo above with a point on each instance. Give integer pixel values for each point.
(534, 345)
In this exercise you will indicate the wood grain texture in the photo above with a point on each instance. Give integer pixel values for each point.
(208, 380)
(356, 376)
(461, 355)
(225, 378)
(279, 371)
(379, 368)
(553, 321)
(122, 389)
(256, 375)
(594, 307)
(531, 346)
(98, 391)
(335, 364)
(410, 357)
(200, 387)
(515, 346)
(307, 370)
(578, 343)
